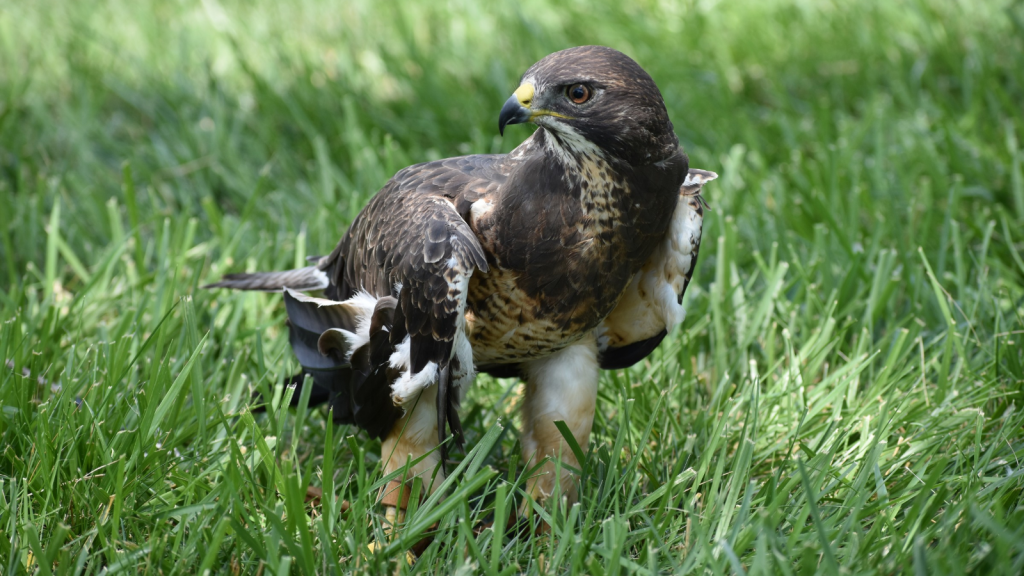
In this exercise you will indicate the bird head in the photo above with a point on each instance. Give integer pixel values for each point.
(593, 98)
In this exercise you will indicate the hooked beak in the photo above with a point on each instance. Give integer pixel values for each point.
(517, 108)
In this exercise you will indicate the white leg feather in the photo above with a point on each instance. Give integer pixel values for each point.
(562, 386)
(414, 435)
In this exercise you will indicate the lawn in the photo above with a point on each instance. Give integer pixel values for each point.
(845, 394)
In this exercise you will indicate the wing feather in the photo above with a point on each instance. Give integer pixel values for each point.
(412, 242)
(652, 303)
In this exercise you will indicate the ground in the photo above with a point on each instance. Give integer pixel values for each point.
(845, 392)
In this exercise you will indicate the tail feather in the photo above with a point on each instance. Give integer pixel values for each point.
(308, 278)
(372, 375)
(320, 314)
(345, 347)
(306, 343)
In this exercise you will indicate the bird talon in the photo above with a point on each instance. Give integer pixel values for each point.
(393, 517)
(375, 547)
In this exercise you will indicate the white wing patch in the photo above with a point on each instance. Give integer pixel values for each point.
(653, 300)
(359, 307)
(407, 388)
(363, 303)
(409, 385)
(463, 369)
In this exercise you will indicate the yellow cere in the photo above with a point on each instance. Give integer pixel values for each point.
(525, 95)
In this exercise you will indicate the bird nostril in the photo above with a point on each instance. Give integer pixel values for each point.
(524, 94)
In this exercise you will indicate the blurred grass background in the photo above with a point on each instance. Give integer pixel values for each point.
(844, 392)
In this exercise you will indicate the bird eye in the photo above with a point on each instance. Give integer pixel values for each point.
(578, 93)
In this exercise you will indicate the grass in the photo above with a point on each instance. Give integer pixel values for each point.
(844, 395)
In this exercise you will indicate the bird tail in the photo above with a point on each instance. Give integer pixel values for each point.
(345, 347)
(302, 279)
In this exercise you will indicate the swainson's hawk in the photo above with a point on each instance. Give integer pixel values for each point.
(569, 254)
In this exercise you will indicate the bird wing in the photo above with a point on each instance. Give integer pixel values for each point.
(412, 242)
(652, 304)
(393, 318)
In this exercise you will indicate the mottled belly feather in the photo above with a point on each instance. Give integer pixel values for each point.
(504, 325)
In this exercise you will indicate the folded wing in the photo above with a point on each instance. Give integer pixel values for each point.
(393, 320)
(653, 302)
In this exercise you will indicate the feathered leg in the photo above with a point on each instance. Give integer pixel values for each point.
(413, 436)
(562, 386)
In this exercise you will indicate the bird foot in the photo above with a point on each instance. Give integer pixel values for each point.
(395, 499)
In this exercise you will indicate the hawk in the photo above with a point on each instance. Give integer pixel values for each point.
(568, 255)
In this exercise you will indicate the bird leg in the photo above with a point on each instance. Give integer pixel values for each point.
(412, 436)
(562, 386)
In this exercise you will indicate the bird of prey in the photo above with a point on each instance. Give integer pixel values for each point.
(565, 256)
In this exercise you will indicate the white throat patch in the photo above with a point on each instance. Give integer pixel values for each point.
(567, 144)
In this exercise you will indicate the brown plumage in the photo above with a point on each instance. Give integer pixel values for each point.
(496, 262)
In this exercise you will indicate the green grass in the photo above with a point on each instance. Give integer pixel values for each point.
(845, 392)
